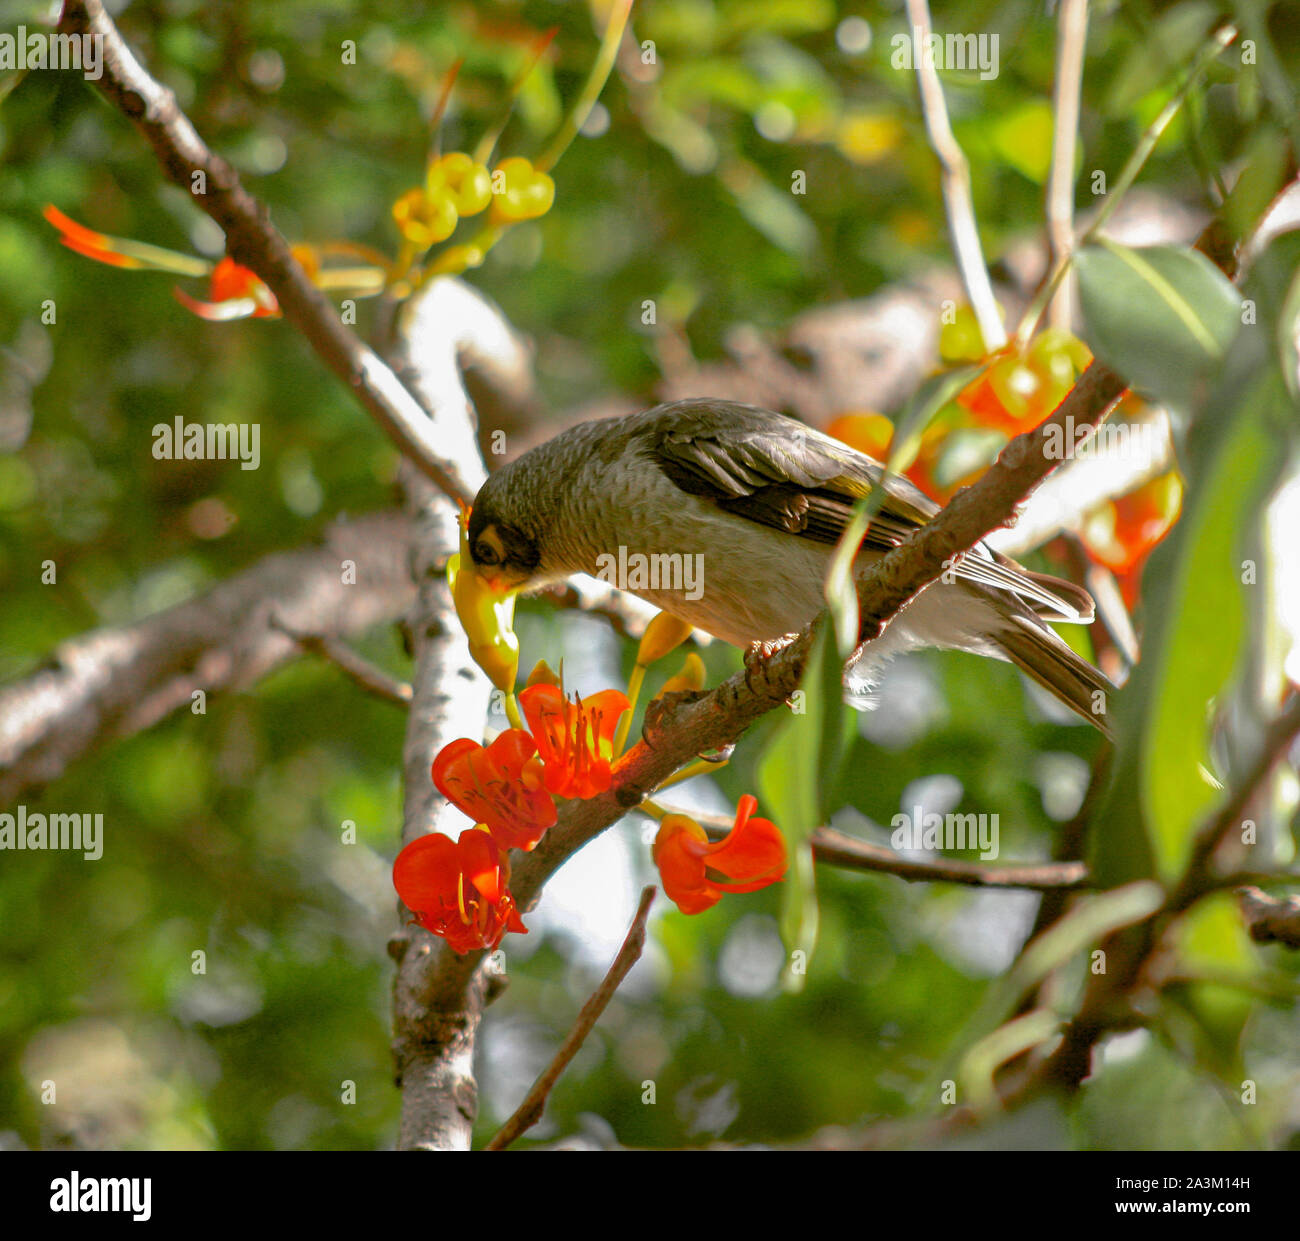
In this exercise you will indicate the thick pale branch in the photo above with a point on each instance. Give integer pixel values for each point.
(115, 682)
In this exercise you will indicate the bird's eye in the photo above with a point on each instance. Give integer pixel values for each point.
(485, 553)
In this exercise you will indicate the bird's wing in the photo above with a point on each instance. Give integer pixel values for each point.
(780, 473)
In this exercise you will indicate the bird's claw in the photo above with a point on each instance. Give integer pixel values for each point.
(759, 653)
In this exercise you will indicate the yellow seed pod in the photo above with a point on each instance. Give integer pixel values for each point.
(665, 633)
(542, 675)
(691, 677)
(520, 191)
(423, 220)
(468, 184)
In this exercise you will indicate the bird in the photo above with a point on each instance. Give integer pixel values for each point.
(726, 516)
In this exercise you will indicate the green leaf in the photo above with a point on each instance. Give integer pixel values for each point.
(1196, 619)
(1168, 45)
(840, 589)
(1161, 317)
(797, 770)
(1023, 139)
(1201, 648)
(1213, 947)
(984, 1058)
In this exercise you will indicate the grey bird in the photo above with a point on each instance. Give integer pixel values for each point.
(726, 516)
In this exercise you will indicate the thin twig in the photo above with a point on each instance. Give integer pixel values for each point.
(1105, 999)
(1198, 876)
(1127, 176)
(1072, 38)
(358, 670)
(1270, 919)
(834, 848)
(530, 1110)
(955, 171)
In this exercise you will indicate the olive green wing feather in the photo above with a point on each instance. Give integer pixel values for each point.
(776, 471)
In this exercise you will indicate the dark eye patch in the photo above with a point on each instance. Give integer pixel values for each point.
(485, 553)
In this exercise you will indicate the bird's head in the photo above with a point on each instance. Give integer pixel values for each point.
(503, 545)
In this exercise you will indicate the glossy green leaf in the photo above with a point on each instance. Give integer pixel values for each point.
(795, 774)
(1161, 317)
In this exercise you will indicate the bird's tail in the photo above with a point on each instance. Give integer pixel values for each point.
(1040, 654)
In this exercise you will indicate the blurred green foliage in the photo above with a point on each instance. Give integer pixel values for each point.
(224, 831)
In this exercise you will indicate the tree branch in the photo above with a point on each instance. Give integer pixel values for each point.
(845, 852)
(981, 508)
(955, 169)
(114, 682)
(1071, 42)
(1270, 919)
(1105, 999)
(358, 670)
(530, 1110)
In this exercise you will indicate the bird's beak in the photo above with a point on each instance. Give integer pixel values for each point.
(486, 608)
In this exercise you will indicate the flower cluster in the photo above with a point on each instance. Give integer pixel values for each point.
(457, 186)
(1018, 387)
(1021, 387)
(558, 747)
(1121, 533)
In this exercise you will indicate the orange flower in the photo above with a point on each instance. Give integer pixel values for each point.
(98, 246)
(1122, 533)
(874, 435)
(752, 854)
(458, 889)
(1020, 389)
(236, 293)
(574, 738)
(498, 785)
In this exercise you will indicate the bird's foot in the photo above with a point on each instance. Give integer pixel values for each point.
(759, 653)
